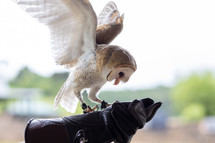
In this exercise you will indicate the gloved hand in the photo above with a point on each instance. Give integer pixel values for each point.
(131, 116)
(117, 123)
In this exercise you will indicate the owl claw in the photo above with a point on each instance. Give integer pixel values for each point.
(88, 109)
(104, 104)
(84, 106)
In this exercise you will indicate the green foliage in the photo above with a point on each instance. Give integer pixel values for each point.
(193, 112)
(29, 79)
(196, 89)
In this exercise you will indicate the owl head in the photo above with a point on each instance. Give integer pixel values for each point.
(115, 63)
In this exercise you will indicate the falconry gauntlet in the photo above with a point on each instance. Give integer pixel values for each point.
(117, 123)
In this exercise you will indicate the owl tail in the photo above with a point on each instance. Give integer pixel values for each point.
(66, 98)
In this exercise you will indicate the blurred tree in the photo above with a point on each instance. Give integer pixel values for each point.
(197, 90)
(193, 112)
(28, 79)
(56, 81)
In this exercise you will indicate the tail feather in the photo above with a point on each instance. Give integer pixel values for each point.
(66, 98)
(59, 95)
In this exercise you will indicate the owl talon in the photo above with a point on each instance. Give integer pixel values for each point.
(84, 106)
(104, 104)
(88, 109)
(95, 108)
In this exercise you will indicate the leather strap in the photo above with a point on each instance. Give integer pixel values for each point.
(80, 137)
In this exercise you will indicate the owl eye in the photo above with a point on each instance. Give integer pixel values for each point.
(121, 74)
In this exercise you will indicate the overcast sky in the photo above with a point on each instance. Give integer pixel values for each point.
(168, 38)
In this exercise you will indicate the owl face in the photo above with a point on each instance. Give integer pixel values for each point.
(120, 74)
(115, 63)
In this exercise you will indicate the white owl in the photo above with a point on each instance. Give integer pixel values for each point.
(79, 42)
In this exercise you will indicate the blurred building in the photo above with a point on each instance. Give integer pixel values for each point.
(26, 103)
(4, 88)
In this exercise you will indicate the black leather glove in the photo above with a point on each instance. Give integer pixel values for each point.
(131, 116)
(117, 123)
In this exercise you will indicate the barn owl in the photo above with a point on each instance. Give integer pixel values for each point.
(80, 41)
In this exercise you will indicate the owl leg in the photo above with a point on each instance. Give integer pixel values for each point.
(78, 95)
(86, 109)
(83, 105)
(93, 97)
(92, 94)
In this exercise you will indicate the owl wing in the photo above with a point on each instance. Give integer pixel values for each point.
(72, 25)
(110, 24)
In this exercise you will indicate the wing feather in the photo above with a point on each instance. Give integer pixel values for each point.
(110, 24)
(72, 25)
(108, 14)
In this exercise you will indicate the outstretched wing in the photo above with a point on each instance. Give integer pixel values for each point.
(110, 24)
(72, 26)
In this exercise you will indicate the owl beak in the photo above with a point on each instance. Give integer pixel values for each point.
(117, 81)
(119, 74)
(119, 78)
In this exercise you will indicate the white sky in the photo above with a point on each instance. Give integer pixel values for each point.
(168, 38)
